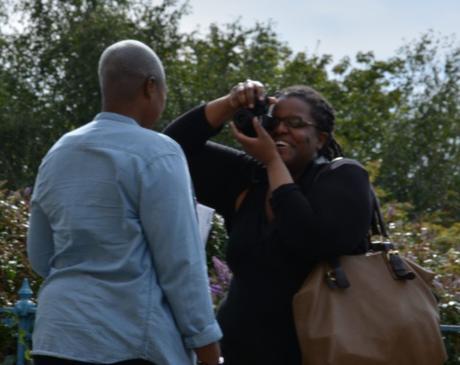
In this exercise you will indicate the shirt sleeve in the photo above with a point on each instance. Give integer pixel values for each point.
(40, 245)
(168, 217)
(333, 220)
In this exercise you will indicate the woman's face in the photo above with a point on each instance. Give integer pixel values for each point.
(296, 137)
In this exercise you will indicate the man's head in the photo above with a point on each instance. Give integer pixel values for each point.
(132, 81)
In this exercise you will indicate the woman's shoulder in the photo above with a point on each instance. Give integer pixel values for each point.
(341, 166)
(342, 174)
(344, 161)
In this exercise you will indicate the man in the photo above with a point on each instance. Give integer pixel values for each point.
(113, 231)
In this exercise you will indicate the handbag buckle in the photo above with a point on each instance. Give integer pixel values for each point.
(379, 246)
(336, 278)
(398, 266)
(331, 279)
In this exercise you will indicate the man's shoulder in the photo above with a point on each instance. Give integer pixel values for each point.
(154, 144)
(131, 139)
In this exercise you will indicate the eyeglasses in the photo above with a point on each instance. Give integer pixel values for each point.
(291, 122)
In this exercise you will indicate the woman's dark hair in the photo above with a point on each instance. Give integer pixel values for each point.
(322, 113)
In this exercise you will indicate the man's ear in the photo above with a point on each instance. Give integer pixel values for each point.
(149, 87)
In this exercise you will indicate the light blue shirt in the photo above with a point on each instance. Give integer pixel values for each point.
(113, 230)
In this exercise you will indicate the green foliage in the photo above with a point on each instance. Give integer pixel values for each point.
(13, 261)
(421, 156)
(14, 266)
(217, 242)
(8, 339)
(365, 101)
(403, 112)
(435, 247)
(48, 81)
(210, 65)
(9, 360)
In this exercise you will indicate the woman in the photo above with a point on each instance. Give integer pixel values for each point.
(281, 215)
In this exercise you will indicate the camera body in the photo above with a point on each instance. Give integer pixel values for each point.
(244, 116)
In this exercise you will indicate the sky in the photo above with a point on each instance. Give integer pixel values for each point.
(337, 27)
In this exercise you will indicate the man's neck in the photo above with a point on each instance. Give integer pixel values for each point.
(123, 109)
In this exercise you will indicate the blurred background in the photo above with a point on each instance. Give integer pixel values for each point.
(390, 68)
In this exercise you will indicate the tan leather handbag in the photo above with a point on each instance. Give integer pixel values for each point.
(370, 309)
(376, 320)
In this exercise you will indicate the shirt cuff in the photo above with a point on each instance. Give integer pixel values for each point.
(210, 334)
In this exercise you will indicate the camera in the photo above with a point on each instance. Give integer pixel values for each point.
(244, 116)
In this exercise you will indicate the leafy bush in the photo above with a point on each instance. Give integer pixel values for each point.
(14, 266)
(219, 273)
(436, 248)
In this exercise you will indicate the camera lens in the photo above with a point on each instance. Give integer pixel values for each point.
(243, 117)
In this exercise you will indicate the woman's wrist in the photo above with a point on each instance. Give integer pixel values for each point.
(275, 162)
(219, 111)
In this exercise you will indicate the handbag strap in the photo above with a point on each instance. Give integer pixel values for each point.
(336, 276)
(378, 225)
(399, 268)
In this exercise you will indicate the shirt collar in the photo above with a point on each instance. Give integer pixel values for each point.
(116, 117)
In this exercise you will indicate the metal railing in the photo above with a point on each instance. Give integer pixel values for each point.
(23, 314)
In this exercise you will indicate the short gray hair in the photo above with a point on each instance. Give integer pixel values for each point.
(124, 65)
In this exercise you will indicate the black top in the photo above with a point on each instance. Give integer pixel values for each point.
(318, 217)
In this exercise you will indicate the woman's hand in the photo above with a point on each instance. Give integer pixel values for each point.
(242, 95)
(263, 148)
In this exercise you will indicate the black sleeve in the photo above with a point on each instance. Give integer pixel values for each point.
(333, 220)
(191, 130)
(219, 173)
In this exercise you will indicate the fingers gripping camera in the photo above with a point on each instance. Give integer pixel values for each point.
(244, 116)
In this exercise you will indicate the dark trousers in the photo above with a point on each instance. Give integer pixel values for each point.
(48, 360)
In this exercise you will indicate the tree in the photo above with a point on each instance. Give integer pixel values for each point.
(209, 66)
(421, 158)
(49, 76)
(365, 101)
(402, 113)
